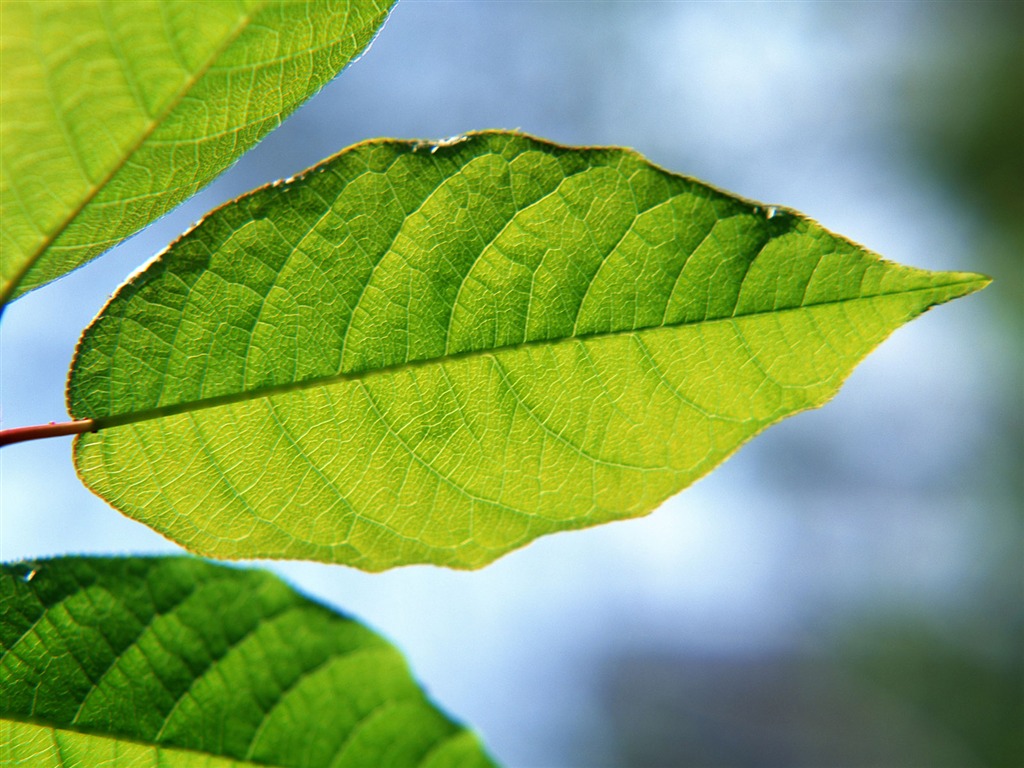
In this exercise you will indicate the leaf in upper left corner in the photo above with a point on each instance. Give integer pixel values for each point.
(115, 112)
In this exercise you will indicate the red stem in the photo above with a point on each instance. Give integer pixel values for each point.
(19, 434)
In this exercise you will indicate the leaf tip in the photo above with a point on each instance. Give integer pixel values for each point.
(969, 282)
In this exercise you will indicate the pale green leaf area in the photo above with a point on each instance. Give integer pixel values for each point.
(40, 746)
(437, 353)
(178, 662)
(115, 112)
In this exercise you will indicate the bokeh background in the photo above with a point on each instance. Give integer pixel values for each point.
(849, 589)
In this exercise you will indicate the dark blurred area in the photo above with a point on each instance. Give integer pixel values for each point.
(899, 701)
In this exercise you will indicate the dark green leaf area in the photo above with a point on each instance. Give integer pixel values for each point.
(180, 653)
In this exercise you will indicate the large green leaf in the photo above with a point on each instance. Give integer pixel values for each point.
(437, 353)
(173, 661)
(114, 112)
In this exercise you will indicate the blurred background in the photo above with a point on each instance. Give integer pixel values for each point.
(846, 591)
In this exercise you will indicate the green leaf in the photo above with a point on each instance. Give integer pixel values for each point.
(115, 112)
(174, 661)
(438, 353)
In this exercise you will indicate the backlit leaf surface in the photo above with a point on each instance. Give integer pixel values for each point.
(178, 662)
(115, 112)
(437, 353)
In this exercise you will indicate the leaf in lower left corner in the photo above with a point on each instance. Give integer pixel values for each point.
(173, 661)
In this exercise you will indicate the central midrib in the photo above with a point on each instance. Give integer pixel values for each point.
(149, 414)
(172, 749)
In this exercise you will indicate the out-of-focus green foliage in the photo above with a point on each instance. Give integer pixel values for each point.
(972, 698)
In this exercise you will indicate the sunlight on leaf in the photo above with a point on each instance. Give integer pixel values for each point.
(437, 353)
(113, 113)
(173, 661)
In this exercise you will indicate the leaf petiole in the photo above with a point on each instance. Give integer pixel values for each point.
(39, 431)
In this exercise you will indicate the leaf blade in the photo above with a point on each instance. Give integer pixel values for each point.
(348, 358)
(176, 93)
(172, 658)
